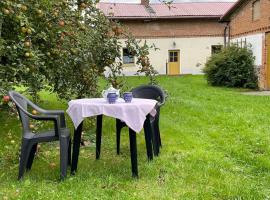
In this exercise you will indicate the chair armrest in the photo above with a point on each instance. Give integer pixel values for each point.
(60, 113)
(50, 112)
(54, 118)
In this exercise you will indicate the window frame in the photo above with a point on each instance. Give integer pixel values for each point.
(130, 56)
(173, 56)
(256, 10)
(213, 52)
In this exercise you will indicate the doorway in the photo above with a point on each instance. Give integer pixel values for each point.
(174, 62)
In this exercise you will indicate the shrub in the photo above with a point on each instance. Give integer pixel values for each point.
(232, 67)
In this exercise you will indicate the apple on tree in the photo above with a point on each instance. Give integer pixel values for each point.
(6, 99)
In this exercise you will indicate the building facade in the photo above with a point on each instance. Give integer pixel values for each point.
(186, 34)
(248, 23)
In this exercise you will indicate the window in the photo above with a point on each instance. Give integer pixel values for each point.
(256, 10)
(173, 56)
(216, 49)
(128, 58)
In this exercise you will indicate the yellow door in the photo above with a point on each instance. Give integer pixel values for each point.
(174, 62)
(268, 59)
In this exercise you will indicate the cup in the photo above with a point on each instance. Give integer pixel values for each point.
(127, 96)
(111, 97)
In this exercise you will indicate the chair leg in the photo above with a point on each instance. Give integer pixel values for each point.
(64, 146)
(31, 157)
(25, 151)
(69, 152)
(133, 153)
(76, 148)
(148, 142)
(98, 136)
(118, 135)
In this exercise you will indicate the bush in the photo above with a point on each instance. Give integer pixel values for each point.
(232, 67)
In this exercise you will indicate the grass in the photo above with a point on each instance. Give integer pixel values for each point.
(216, 145)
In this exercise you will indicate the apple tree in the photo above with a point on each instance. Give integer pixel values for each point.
(63, 46)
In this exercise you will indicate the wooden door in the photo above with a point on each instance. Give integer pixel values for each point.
(268, 59)
(174, 62)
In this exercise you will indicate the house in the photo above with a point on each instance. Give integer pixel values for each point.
(185, 33)
(248, 23)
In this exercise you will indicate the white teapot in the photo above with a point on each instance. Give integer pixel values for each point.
(111, 89)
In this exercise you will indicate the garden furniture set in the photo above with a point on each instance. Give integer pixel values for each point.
(140, 113)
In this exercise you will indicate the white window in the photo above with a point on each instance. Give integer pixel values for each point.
(128, 58)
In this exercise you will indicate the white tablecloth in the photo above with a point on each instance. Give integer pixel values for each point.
(133, 114)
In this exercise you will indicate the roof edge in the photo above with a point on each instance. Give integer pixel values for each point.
(169, 17)
(171, 3)
(227, 15)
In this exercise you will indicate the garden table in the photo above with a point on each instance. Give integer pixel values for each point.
(136, 115)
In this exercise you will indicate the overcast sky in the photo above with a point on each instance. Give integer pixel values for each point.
(155, 1)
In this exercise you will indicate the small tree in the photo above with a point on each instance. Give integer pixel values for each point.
(232, 67)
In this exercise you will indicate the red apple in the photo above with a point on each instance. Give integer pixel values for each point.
(61, 23)
(6, 99)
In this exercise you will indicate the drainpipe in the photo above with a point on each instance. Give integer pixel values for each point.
(227, 35)
(166, 67)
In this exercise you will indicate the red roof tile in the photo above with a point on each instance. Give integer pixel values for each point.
(177, 10)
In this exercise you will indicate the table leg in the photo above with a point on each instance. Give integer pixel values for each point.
(148, 136)
(98, 136)
(154, 140)
(76, 148)
(133, 153)
(118, 135)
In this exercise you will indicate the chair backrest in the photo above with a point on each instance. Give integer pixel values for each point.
(22, 103)
(149, 92)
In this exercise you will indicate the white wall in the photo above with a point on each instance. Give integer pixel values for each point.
(256, 42)
(193, 53)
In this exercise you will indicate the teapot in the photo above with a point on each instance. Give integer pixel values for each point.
(111, 89)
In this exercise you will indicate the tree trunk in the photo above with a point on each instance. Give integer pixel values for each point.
(1, 23)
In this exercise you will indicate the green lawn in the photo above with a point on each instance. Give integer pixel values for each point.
(216, 145)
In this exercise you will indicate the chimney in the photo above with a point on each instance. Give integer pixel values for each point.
(145, 2)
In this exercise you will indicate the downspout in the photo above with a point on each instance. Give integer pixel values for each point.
(166, 67)
(227, 34)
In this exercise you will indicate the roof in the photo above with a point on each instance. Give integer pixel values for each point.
(236, 6)
(176, 10)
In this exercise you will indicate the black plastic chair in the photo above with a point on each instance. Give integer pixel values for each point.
(31, 140)
(146, 92)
